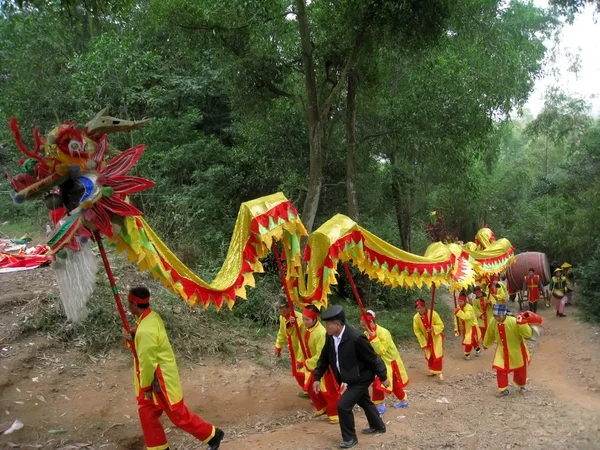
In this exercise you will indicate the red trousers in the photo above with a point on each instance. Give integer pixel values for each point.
(154, 434)
(519, 377)
(398, 384)
(468, 349)
(434, 366)
(324, 400)
(378, 395)
(300, 379)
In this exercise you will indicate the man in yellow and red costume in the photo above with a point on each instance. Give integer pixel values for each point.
(532, 284)
(496, 290)
(324, 401)
(156, 379)
(430, 337)
(288, 334)
(468, 326)
(512, 354)
(482, 305)
(383, 344)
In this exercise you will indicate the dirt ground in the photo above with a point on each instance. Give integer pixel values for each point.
(68, 399)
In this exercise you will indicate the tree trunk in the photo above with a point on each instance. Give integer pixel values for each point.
(402, 200)
(403, 216)
(351, 147)
(315, 127)
(315, 181)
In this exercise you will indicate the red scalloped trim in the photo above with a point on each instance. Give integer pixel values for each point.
(506, 255)
(249, 256)
(339, 245)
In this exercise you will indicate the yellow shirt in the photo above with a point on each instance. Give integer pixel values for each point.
(468, 324)
(384, 346)
(511, 351)
(289, 335)
(314, 341)
(420, 325)
(154, 361)
(483, 312)
(500, 296)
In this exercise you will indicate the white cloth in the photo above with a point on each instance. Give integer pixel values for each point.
(336, 342)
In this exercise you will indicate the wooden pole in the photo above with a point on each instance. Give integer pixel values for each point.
(355, 290)
(111, 280)
(289, 300)
(456, 306)
(432, 305)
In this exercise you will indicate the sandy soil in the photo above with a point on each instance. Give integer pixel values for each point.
(88, 402)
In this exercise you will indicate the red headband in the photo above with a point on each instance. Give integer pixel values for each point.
(462, 297)
(308, 313)
(420, 303)
(138, 300)
(367, 318)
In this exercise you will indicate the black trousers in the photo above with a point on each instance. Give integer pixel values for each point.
(533, 306)
(352, 396)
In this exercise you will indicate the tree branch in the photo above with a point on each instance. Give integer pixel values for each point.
(342, 79)
(216, 27)
(371, 136)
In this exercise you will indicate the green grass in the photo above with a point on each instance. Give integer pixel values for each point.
(247, 330)
(399, 321)
(193, 332)
(17, 227)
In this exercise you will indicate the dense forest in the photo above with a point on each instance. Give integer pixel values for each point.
(398, 114)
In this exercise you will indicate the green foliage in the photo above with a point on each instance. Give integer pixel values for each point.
(398, 320)
(588, 292)
(225, 86)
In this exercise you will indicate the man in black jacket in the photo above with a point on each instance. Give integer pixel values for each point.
(355, 363)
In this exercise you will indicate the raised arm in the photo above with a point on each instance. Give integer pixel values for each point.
(417, 328)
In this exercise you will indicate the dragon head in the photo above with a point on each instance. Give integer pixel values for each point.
(69, 169)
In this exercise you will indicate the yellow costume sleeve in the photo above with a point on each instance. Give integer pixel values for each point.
(491, 333)
(281, 335)
(462, 315)
(438, 325)
(418, 329)
(379, 343)
(146, 346)
(525, 331)
(316, 343)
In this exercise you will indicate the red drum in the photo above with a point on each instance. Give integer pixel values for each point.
(517, 271)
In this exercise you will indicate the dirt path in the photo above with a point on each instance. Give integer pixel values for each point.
(91, 398)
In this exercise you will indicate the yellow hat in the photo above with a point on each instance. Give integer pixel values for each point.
(558, 269)
(566, 265)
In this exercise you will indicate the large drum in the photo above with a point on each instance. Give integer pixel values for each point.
(517, 271)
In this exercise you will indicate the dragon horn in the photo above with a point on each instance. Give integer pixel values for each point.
(102, 124)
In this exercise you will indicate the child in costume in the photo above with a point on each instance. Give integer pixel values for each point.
(430, 336)
(512, 354)
(383, 344)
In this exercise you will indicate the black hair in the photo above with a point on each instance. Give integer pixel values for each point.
(531, 269)
(141, 292)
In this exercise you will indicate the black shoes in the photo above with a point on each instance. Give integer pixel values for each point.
(373, 430)
(215, 442)
(349, 444)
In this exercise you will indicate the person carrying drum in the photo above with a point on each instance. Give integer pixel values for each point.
(570, 282)
(534, 287)
(558, 286)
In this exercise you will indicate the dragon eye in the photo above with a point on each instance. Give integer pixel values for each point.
(74, 145)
